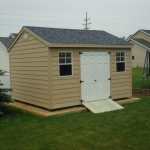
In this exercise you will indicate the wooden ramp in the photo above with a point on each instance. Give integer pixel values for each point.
(100, 106)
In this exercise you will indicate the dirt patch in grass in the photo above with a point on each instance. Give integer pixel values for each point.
(141, 92)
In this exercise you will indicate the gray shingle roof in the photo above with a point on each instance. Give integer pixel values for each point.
(142, 41)
(14, 34)
(75, 36)
(6, 41)
(147, 31)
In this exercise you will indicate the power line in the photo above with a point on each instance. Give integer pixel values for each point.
(41, 20)
(105, 24)
(86, 23)
(47, 10)
(40, 9)
(116, 23)
(40, 16)
(65, 17)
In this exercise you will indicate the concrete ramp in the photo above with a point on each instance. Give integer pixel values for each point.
(100, 106)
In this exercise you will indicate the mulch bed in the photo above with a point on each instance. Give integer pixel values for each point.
(141, 92)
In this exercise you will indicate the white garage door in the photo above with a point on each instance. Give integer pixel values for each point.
(95, 74)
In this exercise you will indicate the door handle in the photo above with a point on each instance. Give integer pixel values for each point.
(95, 80)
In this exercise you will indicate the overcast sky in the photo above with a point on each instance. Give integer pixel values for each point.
(118, 17)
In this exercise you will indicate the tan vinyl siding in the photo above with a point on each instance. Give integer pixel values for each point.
(29, 67)
(121, 84)
(35, 74)
(139, 53)
(66, 90)
(120, 80)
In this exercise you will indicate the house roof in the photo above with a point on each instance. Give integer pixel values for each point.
(142, 30)
(6, 41)
(146, 31)
(14, 34)
(75, 36)
(142, 42)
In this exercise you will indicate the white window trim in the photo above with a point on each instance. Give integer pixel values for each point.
(120, 61)
(25, 37)
(66, 64)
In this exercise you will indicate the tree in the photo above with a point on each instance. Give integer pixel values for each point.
(5, 97)
(123, 37)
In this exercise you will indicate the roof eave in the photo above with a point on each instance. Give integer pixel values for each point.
(136, 33)
(145, 32)
(11, 35)
(30, 32)
(139, 43)
(90, 45)
(65, 45)
(133, 34)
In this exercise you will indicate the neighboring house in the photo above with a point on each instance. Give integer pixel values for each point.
(13, 35)
(4, 56)
(141, 41)
(55, 68)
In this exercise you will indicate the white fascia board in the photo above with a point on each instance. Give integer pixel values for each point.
(11, 35)
(128, 38)
(133, 34)
(145, 32)
(139, 44)
(3, 45)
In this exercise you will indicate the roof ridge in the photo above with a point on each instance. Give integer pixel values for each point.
(62, 28)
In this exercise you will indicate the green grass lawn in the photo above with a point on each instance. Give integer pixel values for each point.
(117, 130)
(137, 77)
(127, 129)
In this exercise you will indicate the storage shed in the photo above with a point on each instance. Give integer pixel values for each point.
(55, 68)
(4, 56)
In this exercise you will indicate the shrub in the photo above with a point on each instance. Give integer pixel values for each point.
(5, 97)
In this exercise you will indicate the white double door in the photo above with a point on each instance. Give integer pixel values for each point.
(95, 74)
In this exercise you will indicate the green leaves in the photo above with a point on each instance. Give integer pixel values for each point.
(5, 96)
(2, 73)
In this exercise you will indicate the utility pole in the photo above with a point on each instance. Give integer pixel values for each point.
(86, 23)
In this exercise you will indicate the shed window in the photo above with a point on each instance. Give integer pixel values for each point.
(25, 35)
(65, 63)
(120, 61)
(132, 57)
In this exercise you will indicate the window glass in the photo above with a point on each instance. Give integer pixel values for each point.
(132, 57)
(68, 60)
(65, 63)
(120, 67)
(122, 54)
(61, 60)
(117, 58)
(117, 53)
(65, 70)
(61, 54)
(25, 35)
(68, 54)
(120, 61)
